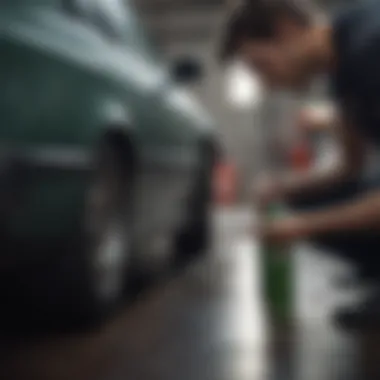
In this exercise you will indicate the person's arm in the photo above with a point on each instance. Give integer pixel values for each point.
(361, 214)
(349, 164)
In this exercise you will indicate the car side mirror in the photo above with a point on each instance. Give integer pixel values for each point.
(187, 71)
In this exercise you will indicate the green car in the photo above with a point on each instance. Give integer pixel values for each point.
(106, 158)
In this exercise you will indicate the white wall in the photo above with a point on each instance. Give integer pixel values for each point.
(238, 129)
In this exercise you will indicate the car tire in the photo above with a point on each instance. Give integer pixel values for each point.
(86, 281)
(195, 237)
(80, 284)
(106, 242)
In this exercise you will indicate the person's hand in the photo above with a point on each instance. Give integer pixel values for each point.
(266, 189)
(311, 121)
(281, 231)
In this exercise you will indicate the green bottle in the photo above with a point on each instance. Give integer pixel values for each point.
(278, 276)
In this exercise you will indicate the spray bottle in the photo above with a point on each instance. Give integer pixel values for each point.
(279, 276)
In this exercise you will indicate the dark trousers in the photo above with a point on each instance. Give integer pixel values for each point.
(360, 248)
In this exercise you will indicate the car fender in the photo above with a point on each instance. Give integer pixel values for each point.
(116, 121)
(55, 178)
(106, 116)
(112, 112)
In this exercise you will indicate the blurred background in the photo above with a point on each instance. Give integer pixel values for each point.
(205, 319)
(245, 115)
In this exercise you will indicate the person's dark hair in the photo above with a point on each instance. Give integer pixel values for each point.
(257, 19)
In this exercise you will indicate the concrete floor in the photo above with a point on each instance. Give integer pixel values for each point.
(207, 324)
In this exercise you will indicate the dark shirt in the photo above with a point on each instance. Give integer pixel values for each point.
(356, 80)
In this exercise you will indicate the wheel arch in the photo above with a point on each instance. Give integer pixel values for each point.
(121, 138)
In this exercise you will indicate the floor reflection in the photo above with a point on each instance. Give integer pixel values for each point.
(323, 352)
(208, 324)
(243, 324)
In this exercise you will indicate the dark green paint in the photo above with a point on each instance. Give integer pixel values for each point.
(63, 82)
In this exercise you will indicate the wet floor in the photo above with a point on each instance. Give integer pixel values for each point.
(207, 323)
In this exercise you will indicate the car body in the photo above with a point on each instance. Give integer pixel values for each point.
(74, 73)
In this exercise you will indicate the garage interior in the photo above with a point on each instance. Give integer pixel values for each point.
(207, 321)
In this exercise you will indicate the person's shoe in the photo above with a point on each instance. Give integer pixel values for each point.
(363, 316)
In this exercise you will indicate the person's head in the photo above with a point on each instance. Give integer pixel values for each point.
(275, 38)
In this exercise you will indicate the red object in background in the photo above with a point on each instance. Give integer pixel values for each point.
(301, 155)
(225, 183)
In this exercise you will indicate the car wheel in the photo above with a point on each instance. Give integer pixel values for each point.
(195, 237)
(84, 280)
(106, 228)
(97, 273)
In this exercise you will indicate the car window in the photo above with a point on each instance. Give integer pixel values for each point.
(122, 21)
(139, 33)
(79, 8)
(113, 18)
(117, 20)
(99, 13)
